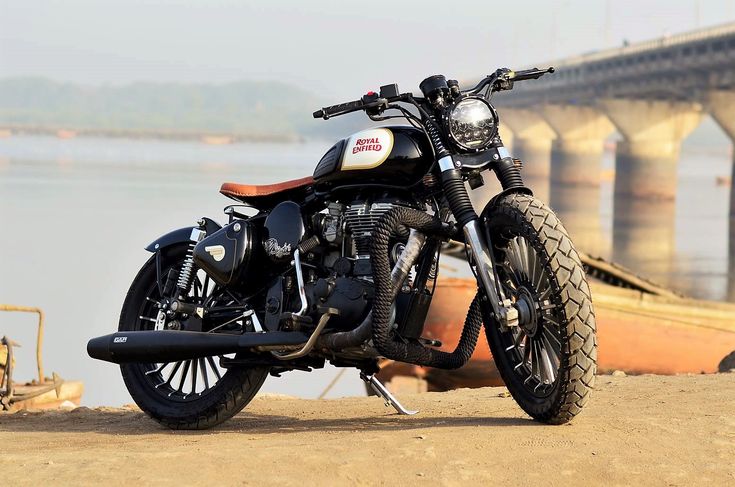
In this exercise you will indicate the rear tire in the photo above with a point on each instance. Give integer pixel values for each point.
(564, 325)
(228, 396)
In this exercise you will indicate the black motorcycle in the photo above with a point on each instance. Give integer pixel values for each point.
(342, 266)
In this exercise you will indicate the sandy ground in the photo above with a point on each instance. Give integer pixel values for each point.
(653, 429)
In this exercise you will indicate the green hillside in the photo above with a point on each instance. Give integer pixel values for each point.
(247, 107)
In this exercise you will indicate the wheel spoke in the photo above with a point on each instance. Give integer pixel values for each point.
(205, 287)
(552, 339)
(552, 354)
(158, 370)
(214, 367)
(514, 259)
(525, 258)
(173, 372)
(547, 372)
(184, 374)
(205, 374)
(194, 374)
(196, 287)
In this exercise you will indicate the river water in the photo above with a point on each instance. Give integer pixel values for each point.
(77, 213)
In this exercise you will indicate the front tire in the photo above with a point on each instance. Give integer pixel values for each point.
(192, 406)
(549, 363)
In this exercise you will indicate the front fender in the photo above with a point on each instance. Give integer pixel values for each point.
(181, 235)
(502, 194)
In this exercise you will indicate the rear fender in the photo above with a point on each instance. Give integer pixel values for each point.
(182, 235)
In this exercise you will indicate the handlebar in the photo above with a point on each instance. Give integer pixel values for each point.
(368, 102)
(500, 80)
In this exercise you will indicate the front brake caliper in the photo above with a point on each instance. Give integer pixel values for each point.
(508, 315)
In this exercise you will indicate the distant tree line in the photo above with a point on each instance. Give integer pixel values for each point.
(251, 108)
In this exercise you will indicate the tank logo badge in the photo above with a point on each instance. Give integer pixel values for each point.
(362, 145)
(367, 149)
(275, 250)
(216, 251)
(119, 339)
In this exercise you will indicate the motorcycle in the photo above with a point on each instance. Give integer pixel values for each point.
(341, 267)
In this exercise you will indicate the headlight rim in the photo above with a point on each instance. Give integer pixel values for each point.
(447, 118)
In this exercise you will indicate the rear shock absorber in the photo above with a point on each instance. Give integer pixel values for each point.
(188, 271)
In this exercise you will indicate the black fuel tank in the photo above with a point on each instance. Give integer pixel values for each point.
(393, 156)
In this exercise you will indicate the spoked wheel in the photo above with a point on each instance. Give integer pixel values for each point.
(535, 345)
(189, 394)
(548, 361)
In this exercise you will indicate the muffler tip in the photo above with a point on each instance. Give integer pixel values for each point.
(99, 348)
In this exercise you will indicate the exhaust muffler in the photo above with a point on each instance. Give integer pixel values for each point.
(159, 346)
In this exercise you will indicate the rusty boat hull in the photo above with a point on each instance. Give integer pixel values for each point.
(642, 328)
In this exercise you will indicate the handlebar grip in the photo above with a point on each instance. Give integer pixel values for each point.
(350, 106)
(534, 73)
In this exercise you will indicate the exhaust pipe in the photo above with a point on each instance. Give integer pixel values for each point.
(171, 346)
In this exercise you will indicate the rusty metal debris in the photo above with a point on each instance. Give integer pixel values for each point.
(8, 394)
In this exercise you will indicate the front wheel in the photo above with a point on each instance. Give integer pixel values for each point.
(549, 361)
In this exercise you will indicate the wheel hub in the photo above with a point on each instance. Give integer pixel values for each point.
(526, 305)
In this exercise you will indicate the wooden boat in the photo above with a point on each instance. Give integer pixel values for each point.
(642, 328)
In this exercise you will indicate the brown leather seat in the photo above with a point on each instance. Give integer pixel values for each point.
(265, 194)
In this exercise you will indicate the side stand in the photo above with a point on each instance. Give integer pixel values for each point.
(381, 391)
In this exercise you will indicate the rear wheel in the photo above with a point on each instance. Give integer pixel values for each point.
(548, 362)
(190, 394)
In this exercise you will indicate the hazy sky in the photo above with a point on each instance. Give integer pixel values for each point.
(337, 47)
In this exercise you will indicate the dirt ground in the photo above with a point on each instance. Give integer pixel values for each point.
(659, 430)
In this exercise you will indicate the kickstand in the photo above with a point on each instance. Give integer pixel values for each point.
(381, 391)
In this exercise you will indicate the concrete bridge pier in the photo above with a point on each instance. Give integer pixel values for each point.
(532, 138)
(646, 160)
(576, 154)
(721, 106)
(645, 180)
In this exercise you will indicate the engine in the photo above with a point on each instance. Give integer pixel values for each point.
(346, 233)
(360, 218)
(335, 264)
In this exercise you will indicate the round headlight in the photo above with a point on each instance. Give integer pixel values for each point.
(472, 123)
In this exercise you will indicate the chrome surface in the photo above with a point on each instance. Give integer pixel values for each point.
(300, 280)
(407, 258)
(254, 318)
(360, 220)
(197, 235)
(506, 314)
(380, 390)
(446, 163)
(309, 343)
(503, 152)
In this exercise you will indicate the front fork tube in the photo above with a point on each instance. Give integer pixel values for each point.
(461, 207)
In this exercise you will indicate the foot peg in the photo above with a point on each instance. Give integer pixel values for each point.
(381, 391)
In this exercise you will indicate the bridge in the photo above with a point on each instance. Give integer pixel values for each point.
(653, 93)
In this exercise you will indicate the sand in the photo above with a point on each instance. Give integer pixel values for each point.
(649, 429)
